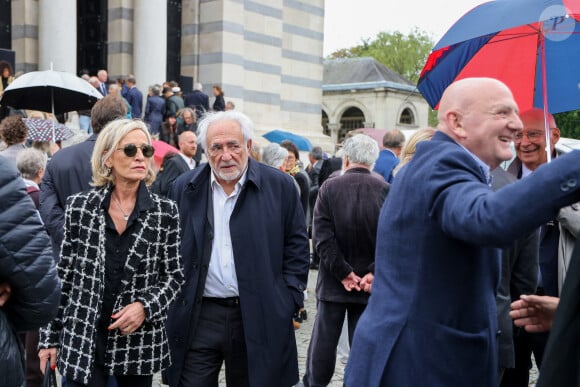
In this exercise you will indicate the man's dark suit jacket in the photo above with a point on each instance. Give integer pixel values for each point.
(519, 275)
(328, 166)
(270, 250)
(171, 170)
(135, 99)
(68, 172)
(561, 361)
(197, 100)
(345, 231)
(154, 113)
(432, 314)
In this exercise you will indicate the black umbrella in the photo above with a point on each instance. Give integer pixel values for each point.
(50, 91)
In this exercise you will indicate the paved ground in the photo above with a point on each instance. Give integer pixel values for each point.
(303, 339)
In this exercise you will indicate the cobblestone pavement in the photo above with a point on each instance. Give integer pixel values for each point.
(303, 339)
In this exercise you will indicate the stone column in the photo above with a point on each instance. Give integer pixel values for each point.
(25, 34)
(57, 35)
(149, 43)
(120, 38)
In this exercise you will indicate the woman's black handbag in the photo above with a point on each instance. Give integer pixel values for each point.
(11, 354)
(49, 376)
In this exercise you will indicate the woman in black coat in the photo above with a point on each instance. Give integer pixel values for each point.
(219, 105)
(120, 267)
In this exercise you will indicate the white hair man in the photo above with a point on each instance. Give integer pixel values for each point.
(344, 234)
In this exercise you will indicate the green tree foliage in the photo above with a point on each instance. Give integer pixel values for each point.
(569, 124)
(404, 54)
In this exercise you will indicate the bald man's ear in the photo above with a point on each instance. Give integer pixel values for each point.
(454, 122)
(554, 136)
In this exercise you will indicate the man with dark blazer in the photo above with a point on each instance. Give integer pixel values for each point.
(134, 97)
(344, 233)
(246, 264)
(519, 275)
(177, 165)
(69, 171)
(197, 100)
(557, 238)
(432, 318)
(560, 316)
(393, 142)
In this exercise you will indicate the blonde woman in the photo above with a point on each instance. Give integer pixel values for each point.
(120, 268)
(409, 149)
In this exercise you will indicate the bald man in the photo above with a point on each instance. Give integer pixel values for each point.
(431, 320)
(172, 168)
(557, 237)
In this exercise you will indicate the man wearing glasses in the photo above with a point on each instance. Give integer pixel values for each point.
(557, 238)
(246, 255)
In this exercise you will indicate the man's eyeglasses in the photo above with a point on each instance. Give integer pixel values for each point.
(130, 150)
(219, 149)
(532, 136)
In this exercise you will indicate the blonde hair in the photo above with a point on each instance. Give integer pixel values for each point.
(411, 146)
(107, 143)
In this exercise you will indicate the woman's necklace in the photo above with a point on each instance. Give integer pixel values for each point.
(125, 215)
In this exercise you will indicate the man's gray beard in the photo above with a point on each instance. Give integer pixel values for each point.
(226, 178)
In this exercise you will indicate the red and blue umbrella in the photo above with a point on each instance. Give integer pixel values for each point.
(533, 46)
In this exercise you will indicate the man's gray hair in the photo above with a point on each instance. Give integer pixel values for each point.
(274, 155)
(316, 153)
(229, 115)
(197, 86)
(30, 161)
(361, 149)
(394, 138)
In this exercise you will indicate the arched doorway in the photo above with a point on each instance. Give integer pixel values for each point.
(352, 118)
(407, 117)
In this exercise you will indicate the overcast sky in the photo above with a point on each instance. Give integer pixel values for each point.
(347, 22)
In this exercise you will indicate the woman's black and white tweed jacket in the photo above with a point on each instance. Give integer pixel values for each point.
(153, 275)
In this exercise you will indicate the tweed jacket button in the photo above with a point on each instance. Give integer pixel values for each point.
(572, 183)
(564, 187)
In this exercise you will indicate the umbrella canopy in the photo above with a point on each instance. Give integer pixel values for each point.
(278, 136)
(533, 46)
(161, 149)
(376, 134)
(46, 130)
(50, 91)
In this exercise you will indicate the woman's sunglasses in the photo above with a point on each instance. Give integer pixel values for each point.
(130, 150)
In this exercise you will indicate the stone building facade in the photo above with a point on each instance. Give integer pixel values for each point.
(363, 93)
(266, 54)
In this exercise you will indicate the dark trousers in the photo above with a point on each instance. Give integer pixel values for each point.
(525, 344)
(33, 375)
(321, 359)
(100, 378)
(219, 337)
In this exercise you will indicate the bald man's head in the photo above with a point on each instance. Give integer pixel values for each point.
(530, 144)
(481, 115)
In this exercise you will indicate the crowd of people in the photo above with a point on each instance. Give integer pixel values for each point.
(425, 250)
